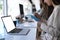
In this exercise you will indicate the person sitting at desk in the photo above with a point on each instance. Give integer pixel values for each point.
(19, 18)
(51, 27)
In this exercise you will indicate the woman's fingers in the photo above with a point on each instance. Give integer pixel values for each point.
(39, 24)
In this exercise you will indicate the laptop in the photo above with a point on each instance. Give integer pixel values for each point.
(10, 27)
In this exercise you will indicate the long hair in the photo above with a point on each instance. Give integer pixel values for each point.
(56, 2)
(47, 9)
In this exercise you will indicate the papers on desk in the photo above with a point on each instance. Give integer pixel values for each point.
(28, 25)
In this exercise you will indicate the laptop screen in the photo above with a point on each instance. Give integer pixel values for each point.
(9, 25)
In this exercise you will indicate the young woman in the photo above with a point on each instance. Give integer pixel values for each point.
(51, 27)
(44, 14)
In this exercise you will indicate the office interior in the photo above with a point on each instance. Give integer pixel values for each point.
(23, 9)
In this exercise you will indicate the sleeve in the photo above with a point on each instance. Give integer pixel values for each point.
(54, 29)
(56, 22)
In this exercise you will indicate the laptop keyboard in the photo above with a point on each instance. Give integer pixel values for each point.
(16, 30)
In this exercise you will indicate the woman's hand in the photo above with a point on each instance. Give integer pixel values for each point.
(37, 15)
(19, 18)
(39, 23)
(38, 26)
(44, 21)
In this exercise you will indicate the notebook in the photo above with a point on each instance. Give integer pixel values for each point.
(10, 27)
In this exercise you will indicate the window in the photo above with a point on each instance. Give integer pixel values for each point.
(1, 7)
(1, 24)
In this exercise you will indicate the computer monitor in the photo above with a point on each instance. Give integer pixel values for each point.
(31, 1)
(21, 10)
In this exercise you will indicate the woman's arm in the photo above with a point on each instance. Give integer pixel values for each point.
(53, 29)
(37, 15)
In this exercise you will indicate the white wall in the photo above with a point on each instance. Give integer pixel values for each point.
(27, 6)
(37, 4)
(13, 7)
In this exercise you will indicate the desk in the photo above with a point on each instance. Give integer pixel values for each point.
(31, 35)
